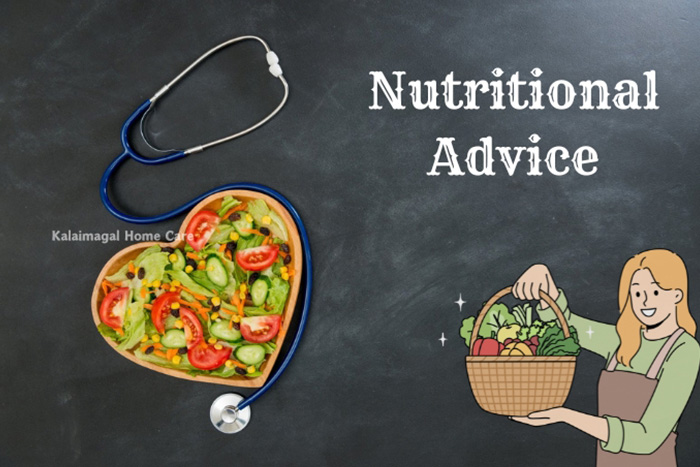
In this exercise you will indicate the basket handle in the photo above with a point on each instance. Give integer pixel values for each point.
(502, 293)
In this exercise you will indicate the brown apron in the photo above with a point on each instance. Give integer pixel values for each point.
(626, 395)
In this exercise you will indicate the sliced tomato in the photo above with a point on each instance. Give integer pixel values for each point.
(193, 327)
(258, 258)
(200, 228)
(207, 357)
(259, 329)
(113, 307)
(161, 309)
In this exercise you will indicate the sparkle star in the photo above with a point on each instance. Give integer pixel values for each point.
(460, 302)
(590, 332)
(443, 339)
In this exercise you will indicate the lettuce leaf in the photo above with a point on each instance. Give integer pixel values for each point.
(277, 295)
(227, 203)
(187, 281)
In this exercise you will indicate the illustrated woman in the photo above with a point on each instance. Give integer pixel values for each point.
(652, 360)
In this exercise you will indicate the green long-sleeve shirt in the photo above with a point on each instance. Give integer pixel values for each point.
(676, 380)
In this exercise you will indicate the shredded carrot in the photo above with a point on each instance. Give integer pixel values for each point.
(160, 354)
(195, 295)
(196, 305)
(291, 272)
(132, 268)
(266, 241)
(144, 292)
(120, 331)
(170, 353)
(239, 364)
(155, 345)
(222, 248)
(104, 287)
(230, 323)
(228, 255)
(148, 306)
(193, 256)
(240, 207)
(254, 231)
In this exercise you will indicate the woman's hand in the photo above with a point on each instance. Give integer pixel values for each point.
(529, 284)
(544, 417)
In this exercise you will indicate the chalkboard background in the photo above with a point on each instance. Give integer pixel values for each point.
(393, 248)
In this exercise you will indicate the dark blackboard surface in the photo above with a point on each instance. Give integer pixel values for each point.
(393, 248)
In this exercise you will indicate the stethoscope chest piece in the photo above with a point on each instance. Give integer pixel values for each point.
(226, 416)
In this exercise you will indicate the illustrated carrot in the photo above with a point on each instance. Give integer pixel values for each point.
(253, 231)
(222, 248)
(160, 354)
(148, 306)
(193, 256)
(170, 353)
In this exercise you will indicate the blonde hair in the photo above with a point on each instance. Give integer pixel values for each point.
(669, 272)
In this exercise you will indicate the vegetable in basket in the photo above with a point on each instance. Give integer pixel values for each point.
(513, 333)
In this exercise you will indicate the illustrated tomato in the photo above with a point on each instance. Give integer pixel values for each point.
(258, 258)
(113, 307)
(193, 327)
(161, 309)
(207, 357)
(200, 228)
(259, 329)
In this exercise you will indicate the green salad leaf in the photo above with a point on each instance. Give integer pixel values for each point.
(277, 295)
(134, 326)
(227, 203)
(496, 317)
(466, 330)
(553, 343)
(187, 281)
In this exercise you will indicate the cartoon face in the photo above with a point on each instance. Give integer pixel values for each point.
(651, 304)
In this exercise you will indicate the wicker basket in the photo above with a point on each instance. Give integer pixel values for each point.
(518, 386)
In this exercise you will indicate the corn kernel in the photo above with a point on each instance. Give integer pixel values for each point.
(243, 287)
(283, 269)
(216, 301)
(155, 283)
(177, 359)
(155, 338)
(172, 257)
(144, 282)
(285, 276)
(229, 364)
(234, 236)
(218, 346)
(250, 369)
(214, 316)
(188, 269)
(249, 218)
(144, 338)
(242, 295)
(175, 306)
(175, 283)
(236, 319)
(178, 324)
(267, 220)
(212, 340)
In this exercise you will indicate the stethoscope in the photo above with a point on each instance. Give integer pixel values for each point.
(229, 413)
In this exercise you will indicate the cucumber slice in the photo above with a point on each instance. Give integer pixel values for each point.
(258, 292)
(216, 272)
(220, 329)
(250, 354)
(242, 224)
(180, 263)
(174, 339)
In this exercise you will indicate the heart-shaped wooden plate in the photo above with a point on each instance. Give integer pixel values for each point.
(213, 203)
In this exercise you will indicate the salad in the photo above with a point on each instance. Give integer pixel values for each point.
(212, 307)
(512, 332)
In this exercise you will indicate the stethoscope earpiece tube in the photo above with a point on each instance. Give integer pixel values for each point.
(230, 412)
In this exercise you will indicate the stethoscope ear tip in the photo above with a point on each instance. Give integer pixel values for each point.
(226, 416)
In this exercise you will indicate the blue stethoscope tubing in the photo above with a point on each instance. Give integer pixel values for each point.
(129, 153)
